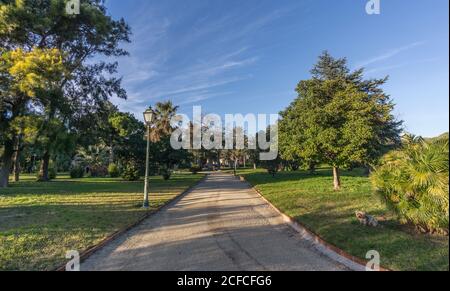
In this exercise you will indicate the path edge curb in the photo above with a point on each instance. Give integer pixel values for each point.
(325, 248)
(93, 249)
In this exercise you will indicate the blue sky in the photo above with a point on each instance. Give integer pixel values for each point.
(247, 56)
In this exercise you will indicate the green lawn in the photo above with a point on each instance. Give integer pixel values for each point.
(39, 222)
(311, 200)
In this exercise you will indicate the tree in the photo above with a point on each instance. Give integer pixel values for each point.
(27, 128)
(160, 132)
(274, 165)
(126, 138)
(339, 119)
(166, 157)
(253, 156)
(161, 128)
(413, 181)
(53, 139)
(44, 25)
(28, 79)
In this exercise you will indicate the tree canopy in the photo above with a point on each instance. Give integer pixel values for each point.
(47, 67)
(338, 118)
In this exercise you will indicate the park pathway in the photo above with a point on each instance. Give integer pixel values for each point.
(221, 225)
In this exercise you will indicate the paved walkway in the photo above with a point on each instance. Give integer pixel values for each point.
(222, 225)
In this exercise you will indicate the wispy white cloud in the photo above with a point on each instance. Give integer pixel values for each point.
(389, 54)
(188, 62)
(146, 56)
(398, 66)
(200, 96)
(140, 75)
(199, 87)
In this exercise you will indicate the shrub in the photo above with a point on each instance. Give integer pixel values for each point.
(272, 166)
(153, 169)
(166, 173)
(272, 170)
(130, 172)
(113, 171)
(294, 165)
(98, 171)
(413, 182)
(76, 172)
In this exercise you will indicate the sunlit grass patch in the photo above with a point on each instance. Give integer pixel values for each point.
(40, 222)
(311, 200)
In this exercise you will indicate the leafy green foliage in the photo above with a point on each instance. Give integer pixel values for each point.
(130, 172)
(94, 159)
(166, 173)
(33, 73)
(126, 138)
(161, 125)
(76, 172)
(162, 153)
(29, 78)
(338, 118)
(272, 166)
(414, 182)
(47, 67)
(113, 171)
(98, 171)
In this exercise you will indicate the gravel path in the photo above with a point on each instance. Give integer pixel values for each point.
(222, 225)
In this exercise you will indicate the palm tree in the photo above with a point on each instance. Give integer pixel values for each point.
(413, 181)
(163, 112)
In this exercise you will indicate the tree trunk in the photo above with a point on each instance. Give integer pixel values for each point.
(218, 161)
(235, 167)
(254, 166)
(32, 168)
(17, 153)
(111, 155)
(43, 172)
(6, 164)
(367, 170)
(337, 178)
(312, 168)
(16, 170)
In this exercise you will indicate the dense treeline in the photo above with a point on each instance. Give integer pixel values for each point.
(48, 75)
(55, 113)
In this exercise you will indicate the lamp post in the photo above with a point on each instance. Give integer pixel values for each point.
(148, 117)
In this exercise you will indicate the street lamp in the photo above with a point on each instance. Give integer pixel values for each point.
(148, 118)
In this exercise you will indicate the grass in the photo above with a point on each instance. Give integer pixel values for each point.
(40, 222)
(310, 199)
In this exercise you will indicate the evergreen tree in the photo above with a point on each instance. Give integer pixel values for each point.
(339, 118)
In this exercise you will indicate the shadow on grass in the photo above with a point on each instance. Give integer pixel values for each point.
(96, 185)
(262, 178)
(311, 200)
(399, 250)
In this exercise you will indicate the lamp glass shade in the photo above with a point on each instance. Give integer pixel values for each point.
(148, 116)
